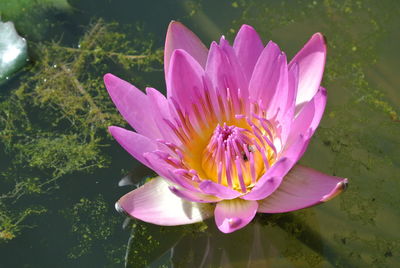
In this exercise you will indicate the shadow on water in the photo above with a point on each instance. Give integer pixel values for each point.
(283, 240)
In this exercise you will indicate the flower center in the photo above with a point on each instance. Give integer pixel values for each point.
(234, 158)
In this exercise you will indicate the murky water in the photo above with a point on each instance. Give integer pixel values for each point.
(75, 224)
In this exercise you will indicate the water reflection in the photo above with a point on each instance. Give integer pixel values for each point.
(285, 240)
(314, 237)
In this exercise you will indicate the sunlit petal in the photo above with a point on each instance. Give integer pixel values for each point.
(311, 61)
(155, 203)
(180, 37)
(231, 215)
(302, 187)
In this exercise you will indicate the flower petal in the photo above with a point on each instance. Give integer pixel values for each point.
(133, 105)
(271, 180)
(180, 37)
(194, 196)
(248, 47)
(167, 171)
(242, 82)
(161, 112)
(135, 144)
(277, 106)
(185, 81)
(155, 203)
(285, 120)
(225, 73)
(231, 215)
(265, 79)
(311, 61)
(308, 118)
(302, 187)
(212, 188)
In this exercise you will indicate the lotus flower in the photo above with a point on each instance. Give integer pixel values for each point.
(226, 138)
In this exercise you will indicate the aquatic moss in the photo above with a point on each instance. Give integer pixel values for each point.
(11, 223)
(54, 121)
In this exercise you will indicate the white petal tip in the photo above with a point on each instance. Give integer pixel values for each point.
(120, 209)
(322, 37)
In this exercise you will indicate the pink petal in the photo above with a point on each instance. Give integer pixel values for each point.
(224, 70)
(266, 75)
(248, 47)
(271, 180)
(133, 143)
(185, 80)
(167, 171)
(218, 190)
(180, 37)
(158, 100)
(308, 118)
(286, 119)
(215, 61)
(161, 112)
(133, 105)
(155, 203)
(194, 196)
(302, 187)
(231, 215)
(311, 62)
(277, 106)
(242, 81)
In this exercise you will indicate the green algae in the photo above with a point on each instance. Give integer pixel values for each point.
(92, 226)
(53, 122)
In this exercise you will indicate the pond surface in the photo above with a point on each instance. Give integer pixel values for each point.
(60, 169)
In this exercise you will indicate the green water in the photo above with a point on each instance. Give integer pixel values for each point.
(60, 169)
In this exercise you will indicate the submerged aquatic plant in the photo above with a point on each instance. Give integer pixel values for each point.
(226, 138)
(52, 121)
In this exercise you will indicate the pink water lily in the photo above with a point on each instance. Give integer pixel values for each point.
(226, 138)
